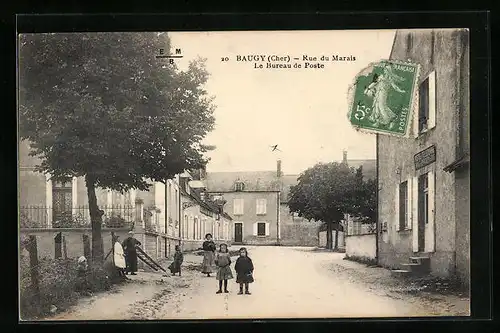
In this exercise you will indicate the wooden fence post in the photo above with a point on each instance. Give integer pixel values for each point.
(65, 249)
(86, 246)
(34, 268)
(57, 244)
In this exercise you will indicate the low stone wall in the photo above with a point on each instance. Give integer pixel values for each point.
(152, 243)
(361, 248)
(189, 245)
(299, 234)
(73, 237)
(259, 240)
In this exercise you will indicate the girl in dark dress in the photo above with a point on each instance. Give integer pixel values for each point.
(175, 267)
(208, 255)
(244, 271)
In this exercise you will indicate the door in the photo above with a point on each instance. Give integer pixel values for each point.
(422, 211)
(238, 232)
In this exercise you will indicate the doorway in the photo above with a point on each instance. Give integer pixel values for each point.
(423, 216)
(238, 232)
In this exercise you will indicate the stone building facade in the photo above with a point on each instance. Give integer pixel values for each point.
(252, 200)
(424, 179)
(155, 215)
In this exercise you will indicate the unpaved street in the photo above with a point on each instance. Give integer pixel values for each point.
(289, 282)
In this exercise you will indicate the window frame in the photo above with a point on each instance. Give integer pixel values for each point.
(240, 205)
(403, 206)
(265, 229)
(261, 206)
(430, 100)
(60, 187)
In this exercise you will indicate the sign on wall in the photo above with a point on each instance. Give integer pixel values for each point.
(425, 157)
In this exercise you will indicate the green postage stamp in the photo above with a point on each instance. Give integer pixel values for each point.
(383, 96)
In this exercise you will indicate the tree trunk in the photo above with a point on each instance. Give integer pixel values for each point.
(328, 235)
(96, 221)
(336, 239)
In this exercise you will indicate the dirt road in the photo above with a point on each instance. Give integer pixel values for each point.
(289, 282)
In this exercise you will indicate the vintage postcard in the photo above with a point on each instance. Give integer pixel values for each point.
(244, 174)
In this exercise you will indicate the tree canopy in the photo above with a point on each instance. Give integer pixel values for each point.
(327, 191)
(101, 106)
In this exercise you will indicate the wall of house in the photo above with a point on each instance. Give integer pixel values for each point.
(296, 231)
(437, 51)
(250, 216)
(361, 246)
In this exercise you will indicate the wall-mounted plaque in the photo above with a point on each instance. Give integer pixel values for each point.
(425, 157)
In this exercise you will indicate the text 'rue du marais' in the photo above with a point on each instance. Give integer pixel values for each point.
(276, 61)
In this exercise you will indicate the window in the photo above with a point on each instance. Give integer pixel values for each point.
(239, 186)
(261, 229)
(184, 227)
(423, 197)
(195, 228)
(403, 206)
(427, 103)
(261, 206)
(61, 198)
(238, 206)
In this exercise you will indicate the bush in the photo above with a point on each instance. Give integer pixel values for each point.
(58, 278)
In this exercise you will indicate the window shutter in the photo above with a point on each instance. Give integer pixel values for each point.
(430, 241)
(264, 204)
(255, 229)
(267, 228)
(409, 204)
(241, 206)
(396, 207)
(415, 114)
(415, 214)
(432, 100)
(258, 206)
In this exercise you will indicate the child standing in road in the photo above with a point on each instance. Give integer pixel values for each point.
(244, 271)
(223, 262)
(175, 267)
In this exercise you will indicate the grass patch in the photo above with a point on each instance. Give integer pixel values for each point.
(363, 260)
(58, 279)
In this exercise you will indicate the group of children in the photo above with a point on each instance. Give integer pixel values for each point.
(243, 267)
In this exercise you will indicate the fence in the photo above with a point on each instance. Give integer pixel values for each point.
(359, 228)
(77, 217)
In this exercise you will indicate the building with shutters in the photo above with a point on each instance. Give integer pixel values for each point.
(423, 201)
(252, 200)
(159, 216)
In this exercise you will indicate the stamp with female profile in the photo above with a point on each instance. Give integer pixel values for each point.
(383, 96)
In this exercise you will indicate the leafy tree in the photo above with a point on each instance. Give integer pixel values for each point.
(101, 106)
(326, 191)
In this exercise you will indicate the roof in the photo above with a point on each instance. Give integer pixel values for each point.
(253, 180)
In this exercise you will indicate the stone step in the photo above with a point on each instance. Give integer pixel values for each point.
(416, 269)
(420, 260)
(401, 273)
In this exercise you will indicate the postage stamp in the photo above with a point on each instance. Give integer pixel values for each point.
(382, 97)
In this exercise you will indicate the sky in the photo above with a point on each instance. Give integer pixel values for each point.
(302, 110)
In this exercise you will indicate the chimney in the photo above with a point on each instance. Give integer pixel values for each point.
(278, 168)
(344, 159)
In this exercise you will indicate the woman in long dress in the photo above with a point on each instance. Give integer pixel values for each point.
(381, 113)
(119, 258)
(208, 255)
